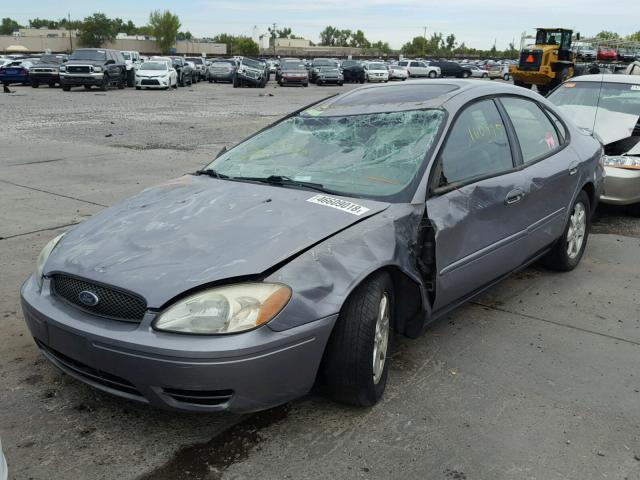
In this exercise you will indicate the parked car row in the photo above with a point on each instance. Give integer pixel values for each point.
(103, 68)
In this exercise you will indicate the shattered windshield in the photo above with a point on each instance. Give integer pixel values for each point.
(375, 155)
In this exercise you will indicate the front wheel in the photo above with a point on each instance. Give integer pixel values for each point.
(568, 250)
(66, 88)
(506, 77)
(355, 365)
(432, 74)
(35, 84)
(465, 74)
(105, 83)
(484, 75)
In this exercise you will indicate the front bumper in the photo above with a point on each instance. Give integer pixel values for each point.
(298, 79)
(44, 77)
(222, 77)
(73, 79)
(376, 78)
(243, 372)
(621, 186)
(145, 82)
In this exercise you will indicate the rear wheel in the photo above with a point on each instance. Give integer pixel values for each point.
(485, 75)
(506, 77)
(569, 248)
(181, 82)
(52, 84)
(138, 88)
(35, 84)
(66, 88)
(355, 363)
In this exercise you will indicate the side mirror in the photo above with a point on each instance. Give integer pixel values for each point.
(222, 150)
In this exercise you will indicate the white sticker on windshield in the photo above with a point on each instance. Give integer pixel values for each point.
(635, 87)
(344, 205)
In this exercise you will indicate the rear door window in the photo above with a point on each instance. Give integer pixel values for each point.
(536, 134)
(477, 146)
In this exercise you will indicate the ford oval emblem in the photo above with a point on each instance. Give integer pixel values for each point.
(88, 298)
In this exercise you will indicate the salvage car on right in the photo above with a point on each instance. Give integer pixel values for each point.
(609, 105)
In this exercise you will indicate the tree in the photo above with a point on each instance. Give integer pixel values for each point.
(8, 26)
(245, 46)
(417, 46)
(165, 26)
(96, 30)
(381, 47)
(328, 35)
(605, 35)
(184, 35)
(634, 37)
(359, 40)
(41, 22)
(450, 42)
(225, 38)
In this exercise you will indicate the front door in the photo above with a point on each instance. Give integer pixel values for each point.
(476, 205)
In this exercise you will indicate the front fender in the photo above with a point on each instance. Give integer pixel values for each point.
(323, 277)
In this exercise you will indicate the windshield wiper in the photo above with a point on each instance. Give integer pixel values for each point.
(212, 173)
(283, 180)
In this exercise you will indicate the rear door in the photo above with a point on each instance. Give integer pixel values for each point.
(475, 204)
(421, 69)
(550, 170)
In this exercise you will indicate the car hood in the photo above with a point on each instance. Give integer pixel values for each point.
(195, 230)
(610, 126)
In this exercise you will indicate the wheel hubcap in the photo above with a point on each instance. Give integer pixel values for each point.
(381, 340)
(577, 229)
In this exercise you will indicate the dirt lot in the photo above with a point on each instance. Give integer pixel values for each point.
(537, 379)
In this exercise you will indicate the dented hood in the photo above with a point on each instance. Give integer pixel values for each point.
(195, 230)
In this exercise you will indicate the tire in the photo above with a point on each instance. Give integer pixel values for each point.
(52, 84)
(566, 254)
(35, 84)
(506, 77)
(104, 86)
(465, 74)
(131, 78)
(348, 364)
(485, 75)
(190, 81)
(122, 83)
(66, 88)
(235, 82)
(432, 74)
(181, 82)
(306, 84)
(318, 83)
(138, 88)
(403, 79)
(87, 87)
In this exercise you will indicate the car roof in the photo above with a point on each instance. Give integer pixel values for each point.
(415, 95)
(608, 78)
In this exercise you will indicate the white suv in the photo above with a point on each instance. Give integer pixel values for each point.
(420, 68)
(376, 72)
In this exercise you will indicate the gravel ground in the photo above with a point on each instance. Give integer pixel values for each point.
(537, 379)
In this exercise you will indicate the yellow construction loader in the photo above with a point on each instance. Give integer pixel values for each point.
(546, 64)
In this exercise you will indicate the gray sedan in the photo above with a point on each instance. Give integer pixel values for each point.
(295, 256)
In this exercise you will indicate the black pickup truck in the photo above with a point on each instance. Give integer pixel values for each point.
(46, 70)
(100, 67)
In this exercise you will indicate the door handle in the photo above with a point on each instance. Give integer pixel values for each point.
(514, 196)
(573, 169)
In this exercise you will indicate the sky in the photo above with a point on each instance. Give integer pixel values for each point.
(479, 23)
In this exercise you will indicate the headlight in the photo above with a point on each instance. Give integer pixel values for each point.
(44, 255)
(63, 68)
(228, 309)
(97, 69)
(622, 161)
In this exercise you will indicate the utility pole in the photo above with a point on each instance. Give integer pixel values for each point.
(273, 38)
(69, 30)
(424, 45)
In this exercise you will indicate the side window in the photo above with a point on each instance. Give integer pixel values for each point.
(536, 134)
(420, 64)
(560, 128)
(477, 145)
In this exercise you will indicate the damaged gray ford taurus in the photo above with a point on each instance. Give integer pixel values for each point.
(296, 255)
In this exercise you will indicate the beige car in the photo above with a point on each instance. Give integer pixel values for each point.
(611, 104)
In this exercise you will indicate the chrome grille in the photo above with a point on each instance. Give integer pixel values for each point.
(112, 303)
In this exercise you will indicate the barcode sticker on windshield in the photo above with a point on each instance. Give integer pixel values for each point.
(344, 205)
(635, 87)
